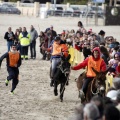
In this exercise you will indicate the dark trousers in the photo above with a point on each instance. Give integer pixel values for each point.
(86, 82)
(24, 51)
(9, 45)
(33, 49)
(13, 75)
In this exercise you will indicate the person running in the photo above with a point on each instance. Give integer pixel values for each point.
(13, 60)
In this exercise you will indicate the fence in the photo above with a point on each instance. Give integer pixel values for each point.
(77, 57)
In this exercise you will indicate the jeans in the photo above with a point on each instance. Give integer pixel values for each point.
(54, 64)
(33, 49)
(9, 45)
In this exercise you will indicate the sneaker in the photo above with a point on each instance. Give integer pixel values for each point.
(6, 82)
(12, 92)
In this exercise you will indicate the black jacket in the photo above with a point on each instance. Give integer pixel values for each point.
(8, 35)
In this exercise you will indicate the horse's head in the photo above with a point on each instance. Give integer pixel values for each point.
(65, 65)
(100, 80)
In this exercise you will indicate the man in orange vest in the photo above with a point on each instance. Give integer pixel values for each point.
(57, 48)
(13, 59)
(92, 61)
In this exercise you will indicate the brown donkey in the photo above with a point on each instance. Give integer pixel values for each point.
(96, 87)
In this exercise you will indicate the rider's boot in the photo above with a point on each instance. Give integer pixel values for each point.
(52, 83)
(82, 95)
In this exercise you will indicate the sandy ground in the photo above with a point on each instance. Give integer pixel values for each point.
(34, 98)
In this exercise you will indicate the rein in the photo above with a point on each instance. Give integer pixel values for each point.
(92, 89)
(63, 71)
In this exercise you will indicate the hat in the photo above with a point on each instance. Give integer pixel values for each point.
(112, 94)
(101, 32)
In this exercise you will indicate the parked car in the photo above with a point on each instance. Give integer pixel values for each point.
(10, 9)
(55, 11)
(75, 11)
(91, 10)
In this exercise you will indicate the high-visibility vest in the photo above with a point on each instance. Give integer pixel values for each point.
(93, 64)
(24, 41)
(13, 58)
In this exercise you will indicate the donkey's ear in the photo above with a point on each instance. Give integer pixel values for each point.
(68, 57)
(95, 71)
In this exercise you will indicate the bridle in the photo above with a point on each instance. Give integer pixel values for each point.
(63, 71)
(97, 91)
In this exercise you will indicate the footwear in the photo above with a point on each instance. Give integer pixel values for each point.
(82, 95)
(52, 83)
(12, 92)
(67, 83)
(26, 58)
(6, 82)
(33, 58)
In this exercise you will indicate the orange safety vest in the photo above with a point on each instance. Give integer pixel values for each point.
(64, 49)
(95, 64)
(58, 48)
(13, 58)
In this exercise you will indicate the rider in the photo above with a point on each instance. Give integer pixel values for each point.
(93, 61)
(57, 47)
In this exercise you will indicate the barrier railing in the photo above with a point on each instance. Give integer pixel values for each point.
(77, 57)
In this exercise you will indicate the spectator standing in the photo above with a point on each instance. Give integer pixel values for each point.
(24, 42)
(33, 37)
(9, 36)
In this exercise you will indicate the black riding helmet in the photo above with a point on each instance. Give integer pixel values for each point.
(57, 38)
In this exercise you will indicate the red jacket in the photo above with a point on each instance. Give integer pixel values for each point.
(118, 69)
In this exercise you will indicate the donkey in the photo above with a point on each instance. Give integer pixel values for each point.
(96, 87)
(61, 76)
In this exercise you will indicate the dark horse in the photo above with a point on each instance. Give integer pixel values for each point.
(96, 87)
(61, 76)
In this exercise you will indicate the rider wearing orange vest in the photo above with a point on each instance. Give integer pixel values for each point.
(92, 61)
(13, 59)
(57, 48)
